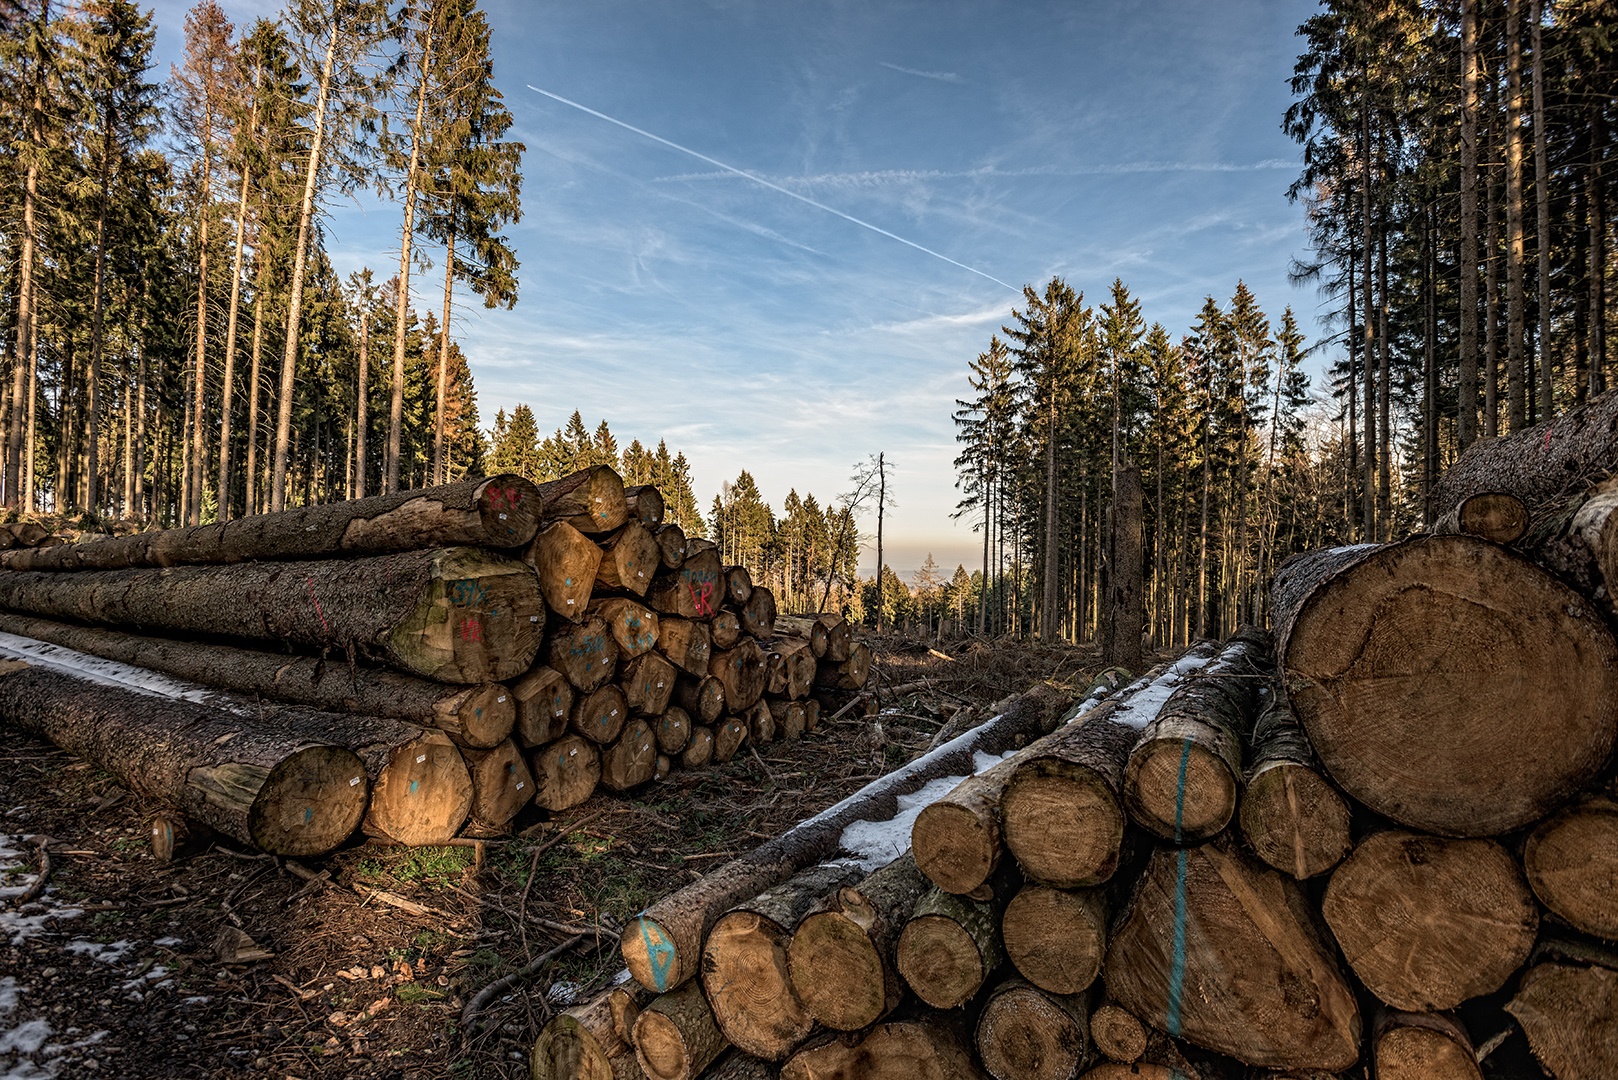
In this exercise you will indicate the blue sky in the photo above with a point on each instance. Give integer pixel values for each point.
(755, 330)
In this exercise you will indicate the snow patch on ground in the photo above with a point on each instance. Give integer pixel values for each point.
(14, 924)
(19, 1039)
(95, 950)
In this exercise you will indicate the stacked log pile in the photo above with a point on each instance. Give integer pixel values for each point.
(1379, 840)
(414, 665)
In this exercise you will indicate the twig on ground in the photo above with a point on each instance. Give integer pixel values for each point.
(32, 892)
(533, 868)
(500, 985)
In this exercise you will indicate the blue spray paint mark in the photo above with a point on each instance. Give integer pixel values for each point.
(308, 815)
(661, 954)
(414, 784)
(1177, 971)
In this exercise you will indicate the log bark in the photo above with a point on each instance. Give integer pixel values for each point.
(1421, 1046)
(949, 947)
(497, 512)
(811, 716)
(738, 585)
(501, 786)
(1026, 1033)
(673, 928)
(645, 504)
(957, 839)
(1537, 464)
(632, 760)
(565, 772)
(585, 1043)
(1571, 860)
(676, 1037)
(460, 615)
(648, 682)
(729, 736)
(633, 626)
(758, 613)
(694, 591)
(922, 1049)
(1117, 1033)
(1057, 938)
(699, 751)
(726, 629)
(744, 963)
(280, 780)
(422, 793)
(672, 730)
(629, 558)
(1492, 515)
(586, 653)
(1570, 1013)
(475, 716)
(1409, 666)
(742, 672)
(737, 1065)
(849, 674)
(1428, 922)
(670, 545)
(544, 700)
(1183, 777)
(1291, 815)
(600, 715)
(685, 643)
(566, 561)
(591, 500)
(1218, 949)
(703, 698)
(809, 627)
(1061, 812)
(842, 958)
(1576, 539)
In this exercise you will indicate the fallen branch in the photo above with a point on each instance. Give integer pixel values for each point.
(32, 892)
(500, 985)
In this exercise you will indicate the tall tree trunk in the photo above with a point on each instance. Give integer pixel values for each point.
(1466, 427)
(1351, 477)
(983, 592)
(1598, 255)
(139, 482)
(1491, 299)
(1429, 396)
(1048, 631)
(1202, 554)
(363, 421)
(1516, 388)
(881, 506)
(1384, 499)
(1368, 506)
(1542, 200)
(200, 380)
(25, 302)
(99, 307)
(402, 300)
(223, 482)
(250, 467)
(289, 362)
(440, 466)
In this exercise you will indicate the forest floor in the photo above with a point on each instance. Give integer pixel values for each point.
(115, 972)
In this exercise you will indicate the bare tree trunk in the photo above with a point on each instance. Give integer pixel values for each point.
(1466, 427)
(200, 381)
(983, 592)
(1202, 556)
(98, 318)
(1491, 300)
(1542, 199)
(1048, 631)
(289, 362)
(440, 466)
(881, 506)
(1598, 257)
(1516, 388)
(25, 337)
(1368, 507)
(138, 504)
(402, 300)
(223, 481)
(1384, 500)
(1352, 472)
(362, 422)
(250, 468)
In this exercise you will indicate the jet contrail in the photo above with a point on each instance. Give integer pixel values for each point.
(773, 187)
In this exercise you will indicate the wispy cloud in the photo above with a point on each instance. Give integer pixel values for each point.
(941, 76)
(878, 177)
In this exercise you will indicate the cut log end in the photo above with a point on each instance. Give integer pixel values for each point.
(1572, 865)
(1118, 1034)
(1023, 1034)
(1063, 823)
(509, 507)
(744, 969)
(565, 772)
(481, 620)
(1570, 1014)
(310, 802)
(1179, 790)
(838, 973)
(956, 848)
(422, 794)
(940, 960)
(1056, 939)
(1295, 820)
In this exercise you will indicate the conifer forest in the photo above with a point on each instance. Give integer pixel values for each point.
(176, 347)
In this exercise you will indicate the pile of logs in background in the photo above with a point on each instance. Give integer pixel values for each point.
(415, 665)
(1379, 839)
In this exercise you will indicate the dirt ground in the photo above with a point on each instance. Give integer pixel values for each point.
(114, 971)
